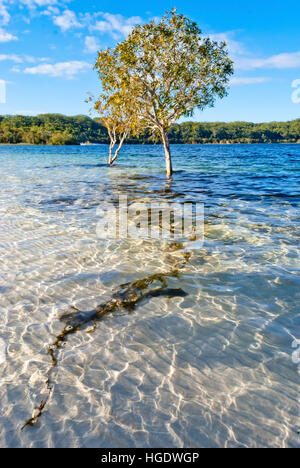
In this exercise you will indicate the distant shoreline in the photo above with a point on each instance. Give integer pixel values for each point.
(158, 144)
(57, 130)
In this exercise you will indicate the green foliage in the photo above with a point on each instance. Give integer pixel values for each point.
(166, 69)
(170, 69)
(235, 132)
(50, 129)
(117, 114)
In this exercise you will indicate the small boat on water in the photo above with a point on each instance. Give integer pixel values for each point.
(88, 143)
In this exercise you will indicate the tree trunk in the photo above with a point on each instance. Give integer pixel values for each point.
(113, 141)
(111, 147)
(165, 140)
(122, 139)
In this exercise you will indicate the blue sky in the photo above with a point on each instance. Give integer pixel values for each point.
(48, 47)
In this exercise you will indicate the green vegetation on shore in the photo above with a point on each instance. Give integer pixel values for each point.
(57, 129)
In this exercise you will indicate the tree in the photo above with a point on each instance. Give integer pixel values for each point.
(116, 105)
(117, 115)
(169, 70)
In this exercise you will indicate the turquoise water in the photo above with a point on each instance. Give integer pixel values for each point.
(216, 367)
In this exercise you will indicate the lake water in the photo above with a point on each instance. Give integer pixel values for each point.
(217, 367)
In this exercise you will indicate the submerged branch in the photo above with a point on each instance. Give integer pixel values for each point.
(127, 297)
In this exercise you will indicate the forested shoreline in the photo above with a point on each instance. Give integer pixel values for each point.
(57, 129)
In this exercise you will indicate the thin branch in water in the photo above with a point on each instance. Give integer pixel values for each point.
(127, 297)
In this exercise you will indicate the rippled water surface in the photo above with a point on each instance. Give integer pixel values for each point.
(216, 367)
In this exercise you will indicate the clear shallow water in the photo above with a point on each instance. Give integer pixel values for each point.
(214, 368)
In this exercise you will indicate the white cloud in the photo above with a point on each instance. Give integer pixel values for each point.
(116, 25)
(244, 61)
(41, 7)
(279, 61)
(28, 58)
(4, 15)
(6, 37)
(39, 3)
(21, 58)
(235, 47)
(61, 69)
(11, 58)
(91, 44)
(51, 11)
(239, 81)
(67, 20)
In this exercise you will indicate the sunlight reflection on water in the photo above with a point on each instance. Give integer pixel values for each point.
(213, 368)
